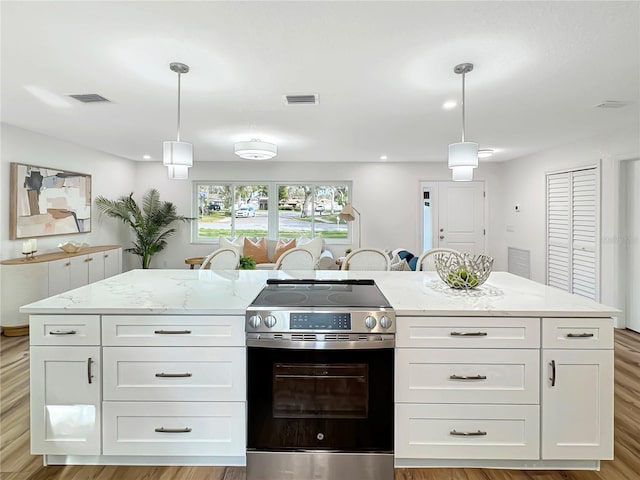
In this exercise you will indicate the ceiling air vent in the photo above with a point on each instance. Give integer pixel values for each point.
(311, 99)
(89, 98)
(611, 104)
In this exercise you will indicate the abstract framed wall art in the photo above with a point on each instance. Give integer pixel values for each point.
(47, 201)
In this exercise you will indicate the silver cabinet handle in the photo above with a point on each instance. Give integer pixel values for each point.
(173, 375)
(62, 332)
(172, 332)
(441, 237)
(468, 334)
(579, 335)
(478, 433)
(173, 430)
(553, 373)
(89, 374)
(467, 377)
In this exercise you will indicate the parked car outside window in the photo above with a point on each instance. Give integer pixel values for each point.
(245, 212)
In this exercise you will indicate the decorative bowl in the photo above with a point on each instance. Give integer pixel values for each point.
(463, 270)
(72, 247)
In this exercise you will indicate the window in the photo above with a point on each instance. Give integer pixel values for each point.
(273, 210)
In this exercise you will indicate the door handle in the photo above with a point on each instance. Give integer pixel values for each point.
(468, 334)
(553, 373)
(173, 375)
(89, 374)
(62, 332)
(579, 335)
(441, 237)
(173, 430)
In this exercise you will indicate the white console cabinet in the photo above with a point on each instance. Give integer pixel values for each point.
(25, 281)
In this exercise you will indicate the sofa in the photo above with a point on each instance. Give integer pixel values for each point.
(266, 251)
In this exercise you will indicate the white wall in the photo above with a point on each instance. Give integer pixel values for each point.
(110, 176)
(524, 184)
(387, 195)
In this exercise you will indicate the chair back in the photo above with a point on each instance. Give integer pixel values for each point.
(296, 259)
(221, 259)
(367, 259)
(426, 260)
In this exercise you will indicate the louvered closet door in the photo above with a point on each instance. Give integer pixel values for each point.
(572, 232)
(558, 231)
(584, 229)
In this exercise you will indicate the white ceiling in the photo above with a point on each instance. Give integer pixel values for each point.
(382, 71)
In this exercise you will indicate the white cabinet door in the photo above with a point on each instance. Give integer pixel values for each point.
(577, 404)
(59, 276)
(78, 271)
(65, 400)
(95, 266)
(112, 262)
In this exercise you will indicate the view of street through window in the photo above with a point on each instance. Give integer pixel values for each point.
(303, 210)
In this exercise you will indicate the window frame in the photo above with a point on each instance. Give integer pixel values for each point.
(272, 208)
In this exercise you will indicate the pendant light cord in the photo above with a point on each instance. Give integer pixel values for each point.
(179, 75)
(463, 104)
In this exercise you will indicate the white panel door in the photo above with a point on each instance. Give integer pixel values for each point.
(65, 400)
(558, 231)
(461, 216)
(59, 276)
(577, 404)
(633, 248)
(78, 272)
(95, 266)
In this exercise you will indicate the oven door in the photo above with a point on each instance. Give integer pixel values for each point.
(320, 399)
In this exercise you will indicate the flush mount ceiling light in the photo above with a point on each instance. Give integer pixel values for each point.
(463, 156)
(256, 149)
(178, 154)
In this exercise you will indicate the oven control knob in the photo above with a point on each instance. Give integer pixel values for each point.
(269, 321)
(370, 322)
(255, 321)
(385, 322)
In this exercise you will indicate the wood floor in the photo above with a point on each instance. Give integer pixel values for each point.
(17, 464)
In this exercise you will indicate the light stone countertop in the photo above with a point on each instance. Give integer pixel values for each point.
(202, 292)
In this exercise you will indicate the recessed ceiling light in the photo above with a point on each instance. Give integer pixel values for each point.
(485, 153)
(383, 157)
(147, 157)
(448, 105)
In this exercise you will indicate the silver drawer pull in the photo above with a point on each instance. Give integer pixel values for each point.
(467, 377)
(173, 375)
(468, 334)
(172, 332)
(579, 335)
(62, 332)
(479, 433)
(173, 430)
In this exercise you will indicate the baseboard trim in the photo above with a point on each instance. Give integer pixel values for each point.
(15, 330)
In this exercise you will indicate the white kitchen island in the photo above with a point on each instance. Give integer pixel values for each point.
(149, 368)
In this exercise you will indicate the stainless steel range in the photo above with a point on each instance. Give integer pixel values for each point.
(320, 381)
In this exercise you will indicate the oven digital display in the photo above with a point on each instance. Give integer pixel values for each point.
(320, 321)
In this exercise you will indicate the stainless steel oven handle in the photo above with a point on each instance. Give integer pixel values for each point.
(316, 345)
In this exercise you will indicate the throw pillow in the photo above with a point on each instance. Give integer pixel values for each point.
(282, 246)
(237, 244)
(314, 245)
(257, 250)
(401, 266)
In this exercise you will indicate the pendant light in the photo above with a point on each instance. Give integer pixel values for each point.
(463, 156)
(178, 156)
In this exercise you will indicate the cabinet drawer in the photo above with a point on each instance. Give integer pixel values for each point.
(174, 428)
(467, 376)
(64, 329)
(582, 333)
(174, 374)
(493, 431)
(468, 332)
(173, 330)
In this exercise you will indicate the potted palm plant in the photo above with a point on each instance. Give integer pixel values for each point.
(151, 223)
